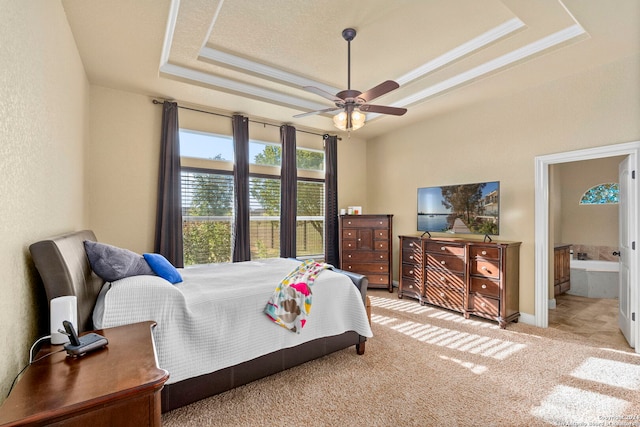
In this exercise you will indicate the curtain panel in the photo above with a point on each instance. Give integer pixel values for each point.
(241, 229)
(168, 236)
(288, 192)
(331, 250)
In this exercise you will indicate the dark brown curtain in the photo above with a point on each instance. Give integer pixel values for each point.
(241, 241)
(288, 192)
(168, 239)
(331, 250)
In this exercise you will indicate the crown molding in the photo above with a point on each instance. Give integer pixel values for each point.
(238, 87)
(464, 49)
(516, 55)
(266, 71)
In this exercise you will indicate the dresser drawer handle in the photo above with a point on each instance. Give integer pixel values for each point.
(443, 262)
(410, 256)
(443, 248)
(349, 222)
(411, 272)
(411, 245)
(442, 295)
(484, 286)
(483, 304)
(349, 233)
(349, 267)
(380, 222)
(381, 279)
(484, 252)
(381, 256)
(442, 279)
(484, 267)
(359, 240)
(381, 268)
(410, 286)
(381, 245)
(349, 256)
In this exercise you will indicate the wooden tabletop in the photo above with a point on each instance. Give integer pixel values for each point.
(59, 385)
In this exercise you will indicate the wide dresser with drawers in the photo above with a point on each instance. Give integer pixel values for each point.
(471, 277)
(366, 247)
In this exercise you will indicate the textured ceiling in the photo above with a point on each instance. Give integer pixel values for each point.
(254, 57)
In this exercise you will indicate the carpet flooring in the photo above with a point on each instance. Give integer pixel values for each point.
(430, 367)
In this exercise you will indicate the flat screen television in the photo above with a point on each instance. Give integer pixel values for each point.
(464, 208)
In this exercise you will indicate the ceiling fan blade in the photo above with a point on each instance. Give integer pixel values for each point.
(382, 109)
(322, 93)
(311, 113)
(379, 90)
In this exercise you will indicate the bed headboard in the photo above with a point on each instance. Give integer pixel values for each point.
(64, 268)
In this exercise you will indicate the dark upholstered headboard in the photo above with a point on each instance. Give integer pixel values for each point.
(64, 268)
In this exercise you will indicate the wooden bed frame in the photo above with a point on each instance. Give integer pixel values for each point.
(65, 270)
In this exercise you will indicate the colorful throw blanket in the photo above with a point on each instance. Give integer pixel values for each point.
(290, 303)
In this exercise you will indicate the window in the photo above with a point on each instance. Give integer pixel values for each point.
(207, 216)
(206, 145)
(310, 219)
(601, 194)
(208, 199)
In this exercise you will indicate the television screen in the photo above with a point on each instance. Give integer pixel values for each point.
(465, 208)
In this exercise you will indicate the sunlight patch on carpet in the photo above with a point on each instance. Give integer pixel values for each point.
(398, 305)
(473, 367)
(569, 406)
(436, 313)
(456, 340)
(610, 372)
(382, 320)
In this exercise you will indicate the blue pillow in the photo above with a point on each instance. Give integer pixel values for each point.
(163, 268)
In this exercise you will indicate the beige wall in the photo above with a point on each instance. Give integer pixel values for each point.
(122, 165)
(43, 126)
(498, 140)
(587, 224)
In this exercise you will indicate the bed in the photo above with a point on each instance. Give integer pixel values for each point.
(225, 344)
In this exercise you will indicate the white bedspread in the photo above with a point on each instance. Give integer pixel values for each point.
(215, 318)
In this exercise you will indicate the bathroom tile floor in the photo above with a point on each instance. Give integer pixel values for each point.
(595, 319)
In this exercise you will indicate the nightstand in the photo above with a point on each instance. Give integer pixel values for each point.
(118, 385)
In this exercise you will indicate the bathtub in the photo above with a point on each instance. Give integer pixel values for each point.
(594, 278)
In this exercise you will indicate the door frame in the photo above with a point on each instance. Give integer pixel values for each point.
(541, 212)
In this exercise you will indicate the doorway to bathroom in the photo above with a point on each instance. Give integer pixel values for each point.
(545, 226)
(584, 228)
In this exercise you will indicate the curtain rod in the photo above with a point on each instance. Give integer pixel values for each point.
(324, 135)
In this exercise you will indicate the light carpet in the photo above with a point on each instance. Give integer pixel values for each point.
(430, 367)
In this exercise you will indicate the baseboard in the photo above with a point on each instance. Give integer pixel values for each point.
(528, 319)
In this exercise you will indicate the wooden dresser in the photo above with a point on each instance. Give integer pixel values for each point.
(366, 247)
(470, 277)
(115, 386)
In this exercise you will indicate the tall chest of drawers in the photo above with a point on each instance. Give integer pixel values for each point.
(470, 277)
(366, 247)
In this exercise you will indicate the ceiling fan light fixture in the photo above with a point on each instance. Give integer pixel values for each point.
(357, 120)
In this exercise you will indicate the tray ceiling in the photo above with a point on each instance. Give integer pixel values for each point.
(254, 57)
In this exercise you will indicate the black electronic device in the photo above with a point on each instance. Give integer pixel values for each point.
(79, 346)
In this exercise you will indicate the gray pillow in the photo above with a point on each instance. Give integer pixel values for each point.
(113, 263)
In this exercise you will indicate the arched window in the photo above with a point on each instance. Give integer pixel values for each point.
(601, 194)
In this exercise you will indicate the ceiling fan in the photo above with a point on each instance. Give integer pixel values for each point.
(353, 102)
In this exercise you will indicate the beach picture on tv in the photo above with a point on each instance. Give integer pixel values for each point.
(464, 208)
